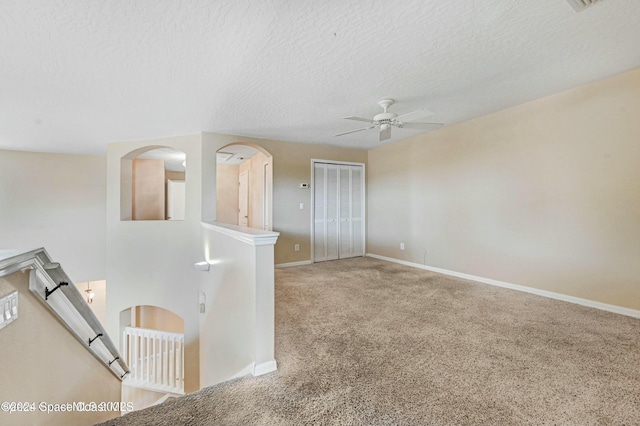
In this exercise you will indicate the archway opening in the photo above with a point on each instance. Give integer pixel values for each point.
(152, 184)
(244, 186)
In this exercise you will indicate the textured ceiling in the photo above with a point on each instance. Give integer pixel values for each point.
(77, 74)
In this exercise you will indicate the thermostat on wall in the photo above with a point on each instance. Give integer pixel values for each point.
(304, 185)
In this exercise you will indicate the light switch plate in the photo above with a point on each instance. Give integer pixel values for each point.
(8, 309)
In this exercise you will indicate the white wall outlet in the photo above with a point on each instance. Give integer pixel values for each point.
(301, 206)
(296, 247)
(401, 246)
(304, 186)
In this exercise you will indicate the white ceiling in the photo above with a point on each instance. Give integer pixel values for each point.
(77, 74)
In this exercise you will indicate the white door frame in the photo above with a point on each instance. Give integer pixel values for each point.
(267, 195)
(364, 201)
(176, 199)
(243, 198)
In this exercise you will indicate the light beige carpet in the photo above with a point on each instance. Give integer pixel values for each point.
(363, 341)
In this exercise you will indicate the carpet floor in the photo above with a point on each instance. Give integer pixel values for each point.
(367, 342)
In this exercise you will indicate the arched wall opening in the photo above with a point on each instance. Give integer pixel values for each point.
(151, 317)
(244, 186)
(152, 184)
(152, 343)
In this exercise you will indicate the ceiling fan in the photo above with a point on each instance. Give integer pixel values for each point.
(386, 119)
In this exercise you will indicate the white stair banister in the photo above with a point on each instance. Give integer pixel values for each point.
(156, 359)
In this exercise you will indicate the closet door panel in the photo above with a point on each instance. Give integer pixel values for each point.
(332, 212)
(338, 225)
(345, 212)
(351, 210)
(357, 211)
(319, 205)
(325, 224)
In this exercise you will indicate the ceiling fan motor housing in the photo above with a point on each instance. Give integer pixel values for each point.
(385, 117)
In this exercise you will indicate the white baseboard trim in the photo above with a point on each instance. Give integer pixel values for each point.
(244, 372)
(292, 264)
(265, 367)
(165, 397)
(544, 293)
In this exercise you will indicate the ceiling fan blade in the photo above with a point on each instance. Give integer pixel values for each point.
(416, 125)
(351, 117)
(415, 115)
(353, 131)
(385, 132)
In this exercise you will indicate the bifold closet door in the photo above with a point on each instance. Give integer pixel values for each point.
(351, 212)
(325, 238)
(338, 225)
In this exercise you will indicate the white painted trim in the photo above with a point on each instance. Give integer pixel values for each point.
(340, 163)
(292, 264)
(256, 369)
(265, 368)
(253, 236)
(165, 397)
(67, 304)
(244, 372)
(544, 293)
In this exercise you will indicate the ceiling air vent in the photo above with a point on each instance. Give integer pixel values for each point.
(579, 5)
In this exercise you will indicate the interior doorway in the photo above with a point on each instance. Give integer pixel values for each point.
(338, 229)
(244, 186)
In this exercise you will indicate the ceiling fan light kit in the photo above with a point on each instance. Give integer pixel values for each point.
(386, 119)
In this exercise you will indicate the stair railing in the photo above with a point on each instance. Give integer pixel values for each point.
(155, 359)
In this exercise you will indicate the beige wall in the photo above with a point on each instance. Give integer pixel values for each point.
(173, 175)
(227, 193)
(545, 195)
(43, 362)
(148, 189)
(56, 201)
(156, 318)
(291, 167)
